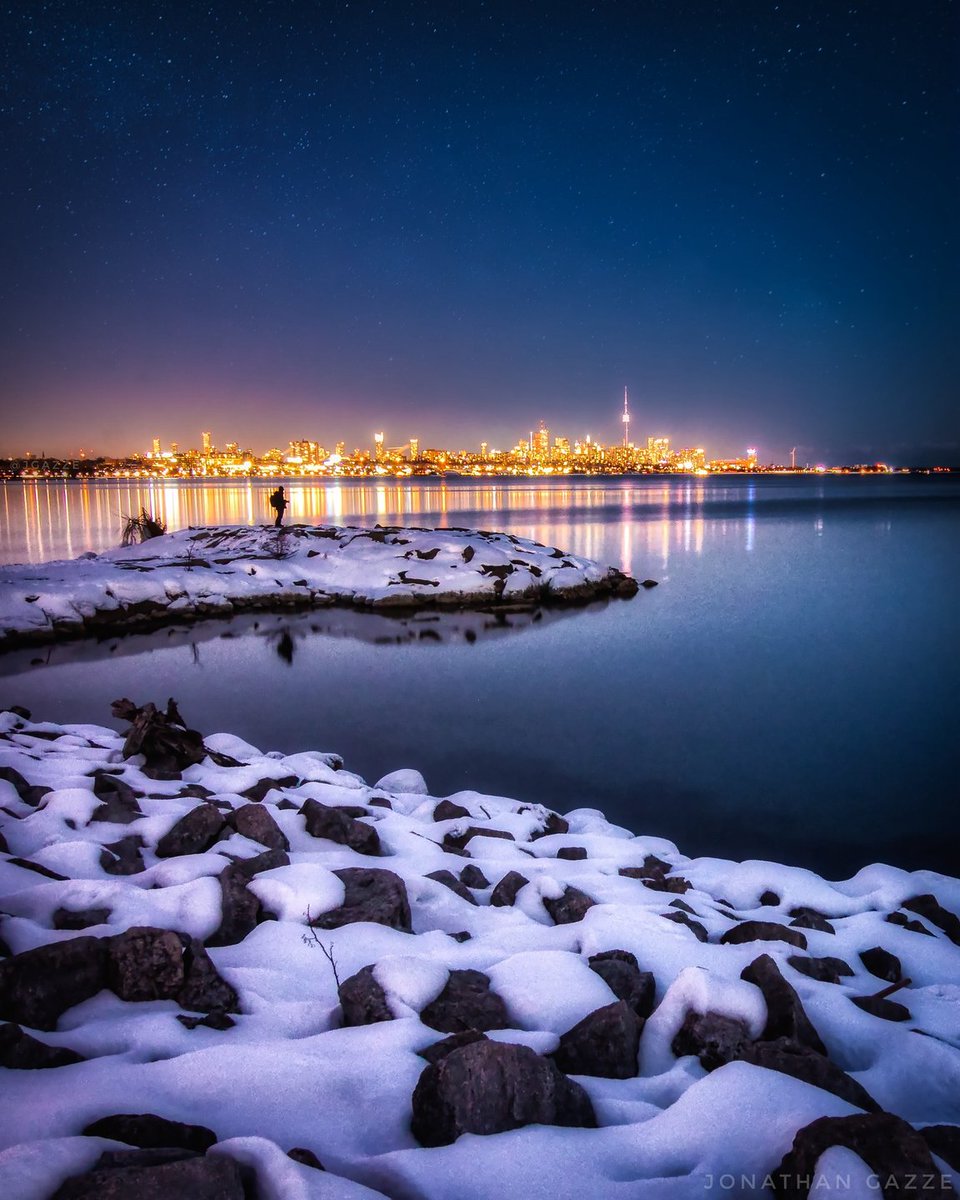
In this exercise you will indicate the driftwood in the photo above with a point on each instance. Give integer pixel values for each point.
(163, 739)
(141, 529)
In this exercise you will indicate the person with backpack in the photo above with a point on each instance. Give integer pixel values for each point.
(278, 501)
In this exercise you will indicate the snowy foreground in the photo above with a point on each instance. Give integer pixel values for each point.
(219, 570)
(529, 1006)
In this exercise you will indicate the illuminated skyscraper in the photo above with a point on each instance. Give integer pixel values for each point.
(378, 444)
(626, 421)
(156, 447)
(206, 443)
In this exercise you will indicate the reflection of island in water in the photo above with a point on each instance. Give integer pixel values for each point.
(288, 631)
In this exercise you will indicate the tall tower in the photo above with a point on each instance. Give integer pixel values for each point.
(626, 421)
(206, 443)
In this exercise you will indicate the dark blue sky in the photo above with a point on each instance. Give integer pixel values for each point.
(453, 220)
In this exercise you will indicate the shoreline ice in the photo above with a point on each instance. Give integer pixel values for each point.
(665, 1023)
(220, 570)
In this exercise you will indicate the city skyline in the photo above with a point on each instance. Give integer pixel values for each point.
(418, 216)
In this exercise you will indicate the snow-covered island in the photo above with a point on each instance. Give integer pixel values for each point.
(230, 973)
(220, 570)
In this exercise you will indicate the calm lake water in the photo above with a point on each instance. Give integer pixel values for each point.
(788, 692)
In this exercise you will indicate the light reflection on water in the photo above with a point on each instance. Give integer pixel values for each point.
(787, 692)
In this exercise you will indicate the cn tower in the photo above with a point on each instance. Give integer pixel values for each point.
(626, 421)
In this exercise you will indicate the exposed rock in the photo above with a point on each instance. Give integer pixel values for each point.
(258, 791)
(40, 984)
(149, 1131)
(362, 1000)
(370, 895)
(204, 989)
(604, 1043)
(879, 1006)
(123, 857)
(553, 824)
(714, 1038)
(241, 911)
(194, 833)
(81, 918)
(572, 906)
(824, 970)
(572, 853)
(458, 841)
(810, 918)
(306, 1158)
(505, 893)
(28, 865)
(145, 964)
(447, 1045)
(488, 1087)
(29, 793)
(802, 1063)
(119, 800)
(446, 810)
(256, 823)
(882, 964)
(621, 973)
(763, 931)
(466, 1002)
(137, 1175)
(681, 918)
(326, 821)
(214, 1020)
(896, 1154)
(786, 1017)
(901, 919)
(167, 746)
(448, 879)
(21, 1052)
(928, 906)
(473, 877)
(769, 898)
(944, 1142)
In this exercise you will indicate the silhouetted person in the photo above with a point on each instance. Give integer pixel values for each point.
(279, 502)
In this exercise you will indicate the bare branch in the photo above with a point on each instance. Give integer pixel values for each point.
(312, 938)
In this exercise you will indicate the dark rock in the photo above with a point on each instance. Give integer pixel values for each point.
(879, 1006)
(682, 906)
(204, 989)
(463, 935)
(149, 1131)
(768, 898)
(269, 860)
(370, 895)
(896, 1154)
(82, 918)
(448, 879)
(473, 877)
(145, 964)
(194, 833)
(572, 906)
(263, 787)
(762, 931)
(786, 1017)
(928, 906)
(882, 964)
(675, 884)
(446, 810)
(40, 984)
(712, 1037)
(306, 1158)
(442, 1048)
(681, 918)
(325, 821)
(119, 800)
(380, 802)
(214, 1020)
(21, 1052)
(488, 1087)
(944, 1142)
(572, 852)
(241, 911)
(901, 919)
(458, 841)
(505, 893)
(553, 824)
(28, 865)
(256, 823)
(214, 1177)
(824, 970)
(810, 918)
(604, 1043)
(29, 793)
(789, 1058)
(362, 1000)
(123, 857)
(649, 583)
(622, 975)
(466, 1002)
(167, 746)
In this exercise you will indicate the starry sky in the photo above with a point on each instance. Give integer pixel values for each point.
(453, 220)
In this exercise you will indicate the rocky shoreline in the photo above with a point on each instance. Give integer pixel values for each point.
(228, 973)
(221, 570)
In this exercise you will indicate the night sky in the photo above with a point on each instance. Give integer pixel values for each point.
(451, 221)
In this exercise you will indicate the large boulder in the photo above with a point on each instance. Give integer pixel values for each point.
(789, 1058)
(882, 964)
(505, 893)
(930, 907)
(362, 999)
(604, 1043)
(621, 973)
(336, 825)
(785, 1012)
(370, 894)
(256, 823)
(144, 963)
(572, 906)
(449, 880)
(40, 984)
(466, 1002)
(21, 1052)
(119, 801)
(195, 832)
(488, 1087)
(763, 931)
(241, 911)
(714, 1038)
(898, 1157)
(824, 970)
(156, 1175)
(123, 857)
(148, 1131)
